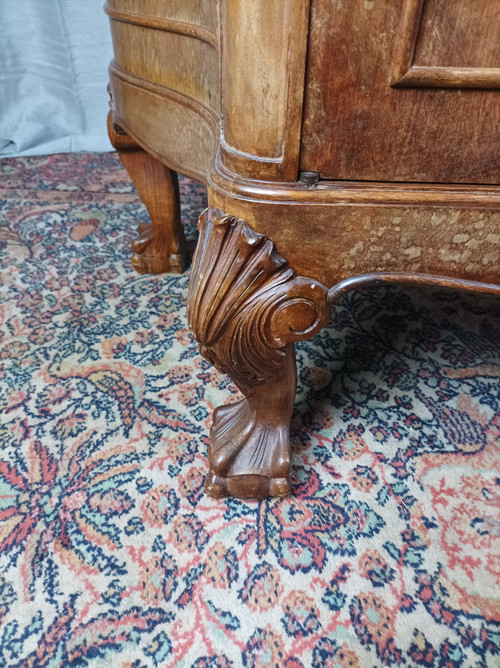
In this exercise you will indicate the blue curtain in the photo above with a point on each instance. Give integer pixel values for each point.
(54, 56)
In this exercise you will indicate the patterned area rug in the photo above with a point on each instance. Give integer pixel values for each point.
(388, 553)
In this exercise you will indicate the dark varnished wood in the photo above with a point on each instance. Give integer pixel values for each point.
(247, 308)
(450, 77)
(426, 54)
(160, 246)
(398, 127)
(407, 278)
(462, 33)
(358, 125)
(336, 230)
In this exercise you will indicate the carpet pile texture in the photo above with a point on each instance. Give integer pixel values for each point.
(388, 552)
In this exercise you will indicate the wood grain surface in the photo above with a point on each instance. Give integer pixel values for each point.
(434, 125)
(247, 308)
(160, 246)
(398, 129)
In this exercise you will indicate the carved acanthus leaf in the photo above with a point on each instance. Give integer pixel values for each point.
(245, 304)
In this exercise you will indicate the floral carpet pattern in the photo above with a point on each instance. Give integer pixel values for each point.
(388, 552)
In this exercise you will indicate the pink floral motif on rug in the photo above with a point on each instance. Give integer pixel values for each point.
(388, 552)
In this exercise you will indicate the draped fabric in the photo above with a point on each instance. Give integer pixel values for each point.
(54, 56)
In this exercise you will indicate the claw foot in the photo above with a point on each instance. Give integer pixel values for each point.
(147, 258)
(246, 309)
(248, 458)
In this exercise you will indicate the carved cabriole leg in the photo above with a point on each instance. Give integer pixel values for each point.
(246, 308)
(160, 246)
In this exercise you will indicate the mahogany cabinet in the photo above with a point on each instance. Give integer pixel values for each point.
(342, 143)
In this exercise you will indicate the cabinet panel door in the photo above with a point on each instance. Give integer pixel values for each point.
(403, 91)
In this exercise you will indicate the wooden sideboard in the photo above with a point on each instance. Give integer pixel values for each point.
(341, 143)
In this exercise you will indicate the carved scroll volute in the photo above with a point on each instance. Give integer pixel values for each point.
(246, 302)
(246, 308)
(301, 314)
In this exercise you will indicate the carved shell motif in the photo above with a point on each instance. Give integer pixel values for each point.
(245, 304)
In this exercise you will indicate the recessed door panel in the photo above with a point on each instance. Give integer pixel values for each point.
(403, 91)
(458, 33)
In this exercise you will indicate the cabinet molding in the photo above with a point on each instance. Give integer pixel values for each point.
(407, 74)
